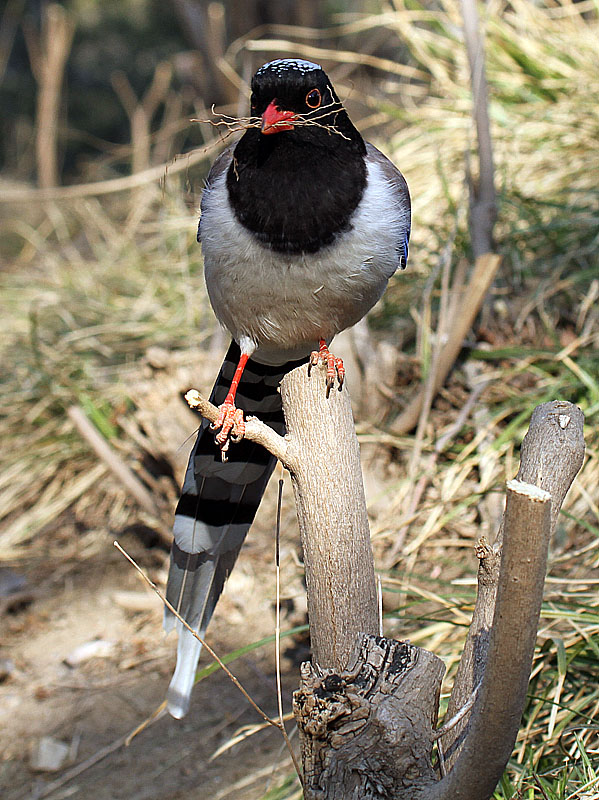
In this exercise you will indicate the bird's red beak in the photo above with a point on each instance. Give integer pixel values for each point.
(274, 120)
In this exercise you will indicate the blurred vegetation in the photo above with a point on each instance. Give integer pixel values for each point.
(109, 36)
(91, 283)
(132, 37)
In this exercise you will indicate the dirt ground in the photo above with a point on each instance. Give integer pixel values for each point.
(91, 705)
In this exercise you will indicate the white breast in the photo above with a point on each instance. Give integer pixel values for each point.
(283, 303)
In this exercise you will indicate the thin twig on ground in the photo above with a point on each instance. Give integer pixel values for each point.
(222, 665)
(278, 632)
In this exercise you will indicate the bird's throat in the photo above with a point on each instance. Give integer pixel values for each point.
(295, 191)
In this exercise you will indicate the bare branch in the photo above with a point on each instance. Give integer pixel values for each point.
(365, 730)
(551, 456)
(255, 430)
(48, 54)
(158, 88)
(322, 454)
(324, 461)
(552, 452)
(118, 467)
(141, 112)
(124, 91)
(498, 708)
(180, 163)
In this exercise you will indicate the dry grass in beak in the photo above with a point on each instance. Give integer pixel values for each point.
(237, 124)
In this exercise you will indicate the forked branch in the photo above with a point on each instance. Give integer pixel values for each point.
(322, 455)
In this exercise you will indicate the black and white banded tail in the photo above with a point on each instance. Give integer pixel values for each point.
(217, 506)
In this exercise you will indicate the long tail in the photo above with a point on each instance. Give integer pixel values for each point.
(217, 506)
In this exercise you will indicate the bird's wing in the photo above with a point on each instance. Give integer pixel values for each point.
(221, 164)
(400, 197)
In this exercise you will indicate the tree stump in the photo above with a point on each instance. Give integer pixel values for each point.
(367, 732)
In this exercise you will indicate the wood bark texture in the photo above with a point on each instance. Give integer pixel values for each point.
(490, 738)
(366, 732)
(323, 458)
(367, 706)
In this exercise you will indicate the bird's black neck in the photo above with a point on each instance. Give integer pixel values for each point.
(297, 190)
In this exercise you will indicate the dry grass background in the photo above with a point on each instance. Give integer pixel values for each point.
(103, 306)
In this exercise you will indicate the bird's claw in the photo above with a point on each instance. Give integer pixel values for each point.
(334, 365)
(230, 425)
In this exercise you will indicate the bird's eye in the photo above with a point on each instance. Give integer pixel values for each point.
(313, 98)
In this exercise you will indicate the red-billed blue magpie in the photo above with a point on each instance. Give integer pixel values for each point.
(302, 225)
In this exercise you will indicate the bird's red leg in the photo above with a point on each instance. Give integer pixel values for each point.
(335, 368)
(230, 419)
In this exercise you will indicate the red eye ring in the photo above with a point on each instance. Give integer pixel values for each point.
(313, 98)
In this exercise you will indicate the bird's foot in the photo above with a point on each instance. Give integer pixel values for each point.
(230, 425)
(334, 365)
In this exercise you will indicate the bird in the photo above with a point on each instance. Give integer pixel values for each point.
(302, 224)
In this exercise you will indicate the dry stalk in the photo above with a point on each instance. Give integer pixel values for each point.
(48, 53)
(118, 467)
(412, 498)
(483, 209)
(338, 56)
(194, 633)
(428, 469)
(140, 113)
(180, 163)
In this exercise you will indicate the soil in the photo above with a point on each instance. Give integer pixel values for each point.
(90, 706)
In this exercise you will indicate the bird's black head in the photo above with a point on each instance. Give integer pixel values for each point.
(296, 180)
(289, 93)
